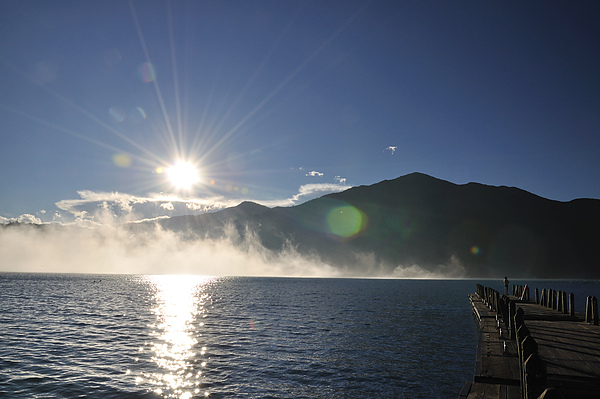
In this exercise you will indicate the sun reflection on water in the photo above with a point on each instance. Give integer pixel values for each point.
(180, 302)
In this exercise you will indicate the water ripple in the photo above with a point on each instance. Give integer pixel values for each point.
(187, 336)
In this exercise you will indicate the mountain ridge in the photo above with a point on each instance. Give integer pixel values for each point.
(416, 219)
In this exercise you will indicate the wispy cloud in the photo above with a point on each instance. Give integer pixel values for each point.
(314, 173)
(25, 218)
(308, 191)
(340, 180)
(94, 208)
(391, 148)
(167, 205)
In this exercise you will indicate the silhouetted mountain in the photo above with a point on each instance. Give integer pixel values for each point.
(420, 220)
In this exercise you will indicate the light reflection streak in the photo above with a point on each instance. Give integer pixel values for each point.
(180, 300)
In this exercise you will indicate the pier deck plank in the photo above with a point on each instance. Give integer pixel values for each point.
(569, 347)
(496, 371)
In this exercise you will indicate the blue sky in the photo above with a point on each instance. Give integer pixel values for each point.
(281, 101)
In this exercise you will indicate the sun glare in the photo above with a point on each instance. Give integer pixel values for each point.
(183, 175)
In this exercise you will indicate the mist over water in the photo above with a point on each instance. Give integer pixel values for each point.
(113, 249)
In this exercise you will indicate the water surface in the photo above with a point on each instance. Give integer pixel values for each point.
(193, 336)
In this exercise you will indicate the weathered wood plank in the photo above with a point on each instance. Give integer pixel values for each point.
(567, 345)
(492, 391)
(496, 371)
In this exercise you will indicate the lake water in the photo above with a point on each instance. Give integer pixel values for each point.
(125, 336)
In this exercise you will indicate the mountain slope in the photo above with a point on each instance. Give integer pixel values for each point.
(419, 220)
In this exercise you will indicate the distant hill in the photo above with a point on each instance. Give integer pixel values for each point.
(419, 220)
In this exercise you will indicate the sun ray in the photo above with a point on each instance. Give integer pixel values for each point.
(84, 112)
(173, 143)
(227, 136)
(180, 132)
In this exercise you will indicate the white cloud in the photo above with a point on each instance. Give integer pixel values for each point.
(391, 148)
(308, 191)
(27, 218)
(314, 173)
(94, 208)
(112, 207)
(340, 180)
(167, 205)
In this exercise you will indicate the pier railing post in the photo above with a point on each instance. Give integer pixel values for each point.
(504, 310)
(564, 302)
(595, 310)
(588, 309)
(559, 306)
(537, 296)
(535, 376)
(511, 319)
(571, 304)
(543, 297)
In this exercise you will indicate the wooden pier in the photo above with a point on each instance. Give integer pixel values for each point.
(534, 348)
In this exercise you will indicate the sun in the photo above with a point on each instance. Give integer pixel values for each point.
(183, 175)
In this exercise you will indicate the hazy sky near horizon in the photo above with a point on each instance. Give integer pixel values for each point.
(281, 101)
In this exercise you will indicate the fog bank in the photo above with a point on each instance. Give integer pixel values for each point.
(116, 250)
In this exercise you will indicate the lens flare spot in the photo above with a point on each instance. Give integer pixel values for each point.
(475, 250)
(146, 72)
(122, 160)
(137, 114)
(346, 221)
(116, 114)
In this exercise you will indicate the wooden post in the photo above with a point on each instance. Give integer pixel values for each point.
(588, 309)
(497, 301)
(511, 320)
(519, 319)
(535, 376)
(559, 299)
(543, 297)
(572, 304)
(595, 310)
(537, 296)
(552, 393)
(504, 309)
(564, 301)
